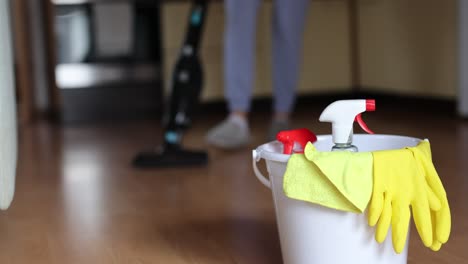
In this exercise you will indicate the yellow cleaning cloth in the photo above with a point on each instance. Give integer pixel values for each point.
(441, 219)
(350, 172)
(338, 180)
(400, 184)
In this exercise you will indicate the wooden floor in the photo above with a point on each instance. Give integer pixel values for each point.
(78, 200)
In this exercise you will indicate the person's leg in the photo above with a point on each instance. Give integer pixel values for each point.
(288, 26)
(239, 52)
(239, 58)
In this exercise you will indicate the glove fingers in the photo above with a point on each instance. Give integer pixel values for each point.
(422, 220)
(443, 223)
(434, 182)
(434, 202)
(375, 208)
(436, 245)
(400, 223)
(432, 177)
(384, 221)
(442, 220)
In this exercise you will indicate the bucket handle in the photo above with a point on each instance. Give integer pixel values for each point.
(256, 156)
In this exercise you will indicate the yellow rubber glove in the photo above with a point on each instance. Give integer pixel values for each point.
(346, 186)
(441, 219)
(398, 184)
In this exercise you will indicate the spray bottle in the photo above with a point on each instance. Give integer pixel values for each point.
(342, 115)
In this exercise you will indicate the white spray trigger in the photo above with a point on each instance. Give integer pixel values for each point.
(342, 115)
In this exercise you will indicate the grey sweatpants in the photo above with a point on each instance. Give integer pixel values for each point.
(239, 51)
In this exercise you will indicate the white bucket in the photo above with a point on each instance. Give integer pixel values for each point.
(315, 234)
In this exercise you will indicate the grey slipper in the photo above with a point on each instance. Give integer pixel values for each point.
(228, 135)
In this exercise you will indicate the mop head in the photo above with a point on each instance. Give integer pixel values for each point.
(170, 157)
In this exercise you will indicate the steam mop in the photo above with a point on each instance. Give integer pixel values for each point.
(186, 85)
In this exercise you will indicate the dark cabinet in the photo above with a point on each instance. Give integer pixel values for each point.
(107, 59)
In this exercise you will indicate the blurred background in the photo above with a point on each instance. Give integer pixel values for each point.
(88, 60)
(95, 59)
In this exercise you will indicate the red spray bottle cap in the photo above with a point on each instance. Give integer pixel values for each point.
(300, 136)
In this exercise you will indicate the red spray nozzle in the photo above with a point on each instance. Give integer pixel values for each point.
(300, 136)
(370, 105)
(363, 124)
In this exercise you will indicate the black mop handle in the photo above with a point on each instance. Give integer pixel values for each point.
(187, 77)
(185, 88)
(195, 25)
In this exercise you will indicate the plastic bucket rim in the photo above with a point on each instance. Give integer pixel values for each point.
(264, 153)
